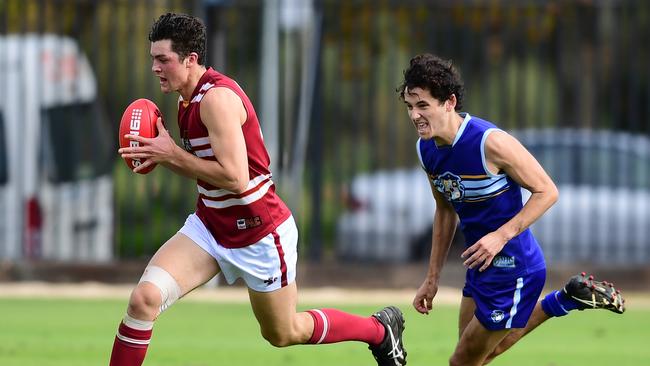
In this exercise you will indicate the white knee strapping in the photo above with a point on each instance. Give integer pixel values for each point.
(137, 324)
(169, 289)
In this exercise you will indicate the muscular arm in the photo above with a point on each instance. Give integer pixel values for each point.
(444, 226)
(504, 153)
(223, 113)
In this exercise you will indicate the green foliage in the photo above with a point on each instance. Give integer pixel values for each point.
(151, 208)
(80, 333)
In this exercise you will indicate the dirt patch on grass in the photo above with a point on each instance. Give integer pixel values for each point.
(324, 295)
(238, 294)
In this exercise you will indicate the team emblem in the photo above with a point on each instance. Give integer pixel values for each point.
(503, 261)
(185, 141)
(497, 316)
(187, 145)
(450, 186)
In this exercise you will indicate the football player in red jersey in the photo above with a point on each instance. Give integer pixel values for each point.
(240, 228)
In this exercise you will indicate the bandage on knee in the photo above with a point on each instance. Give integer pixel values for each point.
(169, 289)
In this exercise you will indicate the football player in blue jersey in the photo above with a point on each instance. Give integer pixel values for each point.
(476, 173)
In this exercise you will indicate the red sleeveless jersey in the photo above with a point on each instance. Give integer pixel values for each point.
(235, 220)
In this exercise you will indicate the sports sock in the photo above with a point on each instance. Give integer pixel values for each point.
(557, 303)
(131, 342)
(331, 326)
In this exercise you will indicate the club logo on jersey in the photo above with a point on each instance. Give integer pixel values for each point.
(451, 186)
(497, 316)
(249, 222)
(187, 145)
(503, 261)
(185, 142)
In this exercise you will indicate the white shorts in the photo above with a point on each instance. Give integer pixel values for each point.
(265, 266)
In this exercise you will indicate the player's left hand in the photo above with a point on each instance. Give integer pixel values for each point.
(159, 149)
(483, 251)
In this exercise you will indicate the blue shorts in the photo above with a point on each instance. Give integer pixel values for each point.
(506, 304)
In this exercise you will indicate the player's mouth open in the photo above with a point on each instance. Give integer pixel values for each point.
(421, 126)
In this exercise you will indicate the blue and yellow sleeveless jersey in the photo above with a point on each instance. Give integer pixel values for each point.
(484, 201)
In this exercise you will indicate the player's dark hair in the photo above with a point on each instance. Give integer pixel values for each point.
(436, 75)
(186, 32)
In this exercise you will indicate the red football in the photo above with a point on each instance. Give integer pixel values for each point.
(139, 118)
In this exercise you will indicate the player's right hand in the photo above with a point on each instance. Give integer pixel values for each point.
(423, 301)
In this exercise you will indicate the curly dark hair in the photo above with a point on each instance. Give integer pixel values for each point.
(187, 33)
(438, 76)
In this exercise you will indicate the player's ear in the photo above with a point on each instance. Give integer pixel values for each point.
(451, 103)
(192, 58)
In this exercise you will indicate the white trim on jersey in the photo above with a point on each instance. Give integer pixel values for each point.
(483, 158)
(200, 141)
(206, 86)
(201, 93)
(204, 153)
(462, 127)
(240, 201)
(216, 193)
(484, 187)
(197, 98)
(417, 149)
(257, 187)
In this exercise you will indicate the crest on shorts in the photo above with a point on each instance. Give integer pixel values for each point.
(270, 281)
(503, 261)
(497, 316)
(451, 186)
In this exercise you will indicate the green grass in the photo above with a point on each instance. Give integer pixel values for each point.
(80, 332)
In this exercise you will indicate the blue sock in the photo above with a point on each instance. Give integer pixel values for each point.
(557, 303)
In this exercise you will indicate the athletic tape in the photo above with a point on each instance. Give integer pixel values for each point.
(169, 289)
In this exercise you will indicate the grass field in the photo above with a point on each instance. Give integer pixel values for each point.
(80, 332)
